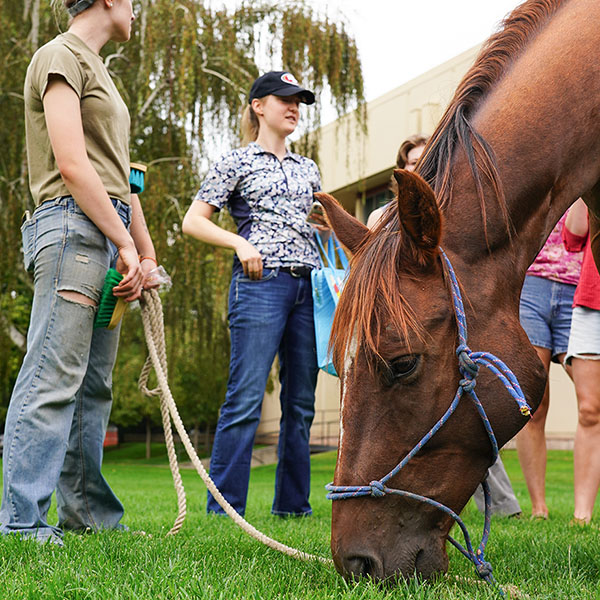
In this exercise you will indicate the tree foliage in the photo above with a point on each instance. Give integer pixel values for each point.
(184, 75)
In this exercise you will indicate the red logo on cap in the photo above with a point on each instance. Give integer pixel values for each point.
(289, 78)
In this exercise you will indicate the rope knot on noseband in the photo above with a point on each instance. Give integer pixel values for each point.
(467, 384)
(467, 367)
(377, 489)
(466, 364)
(484, 569)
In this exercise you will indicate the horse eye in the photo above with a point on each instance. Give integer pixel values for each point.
(401, 367)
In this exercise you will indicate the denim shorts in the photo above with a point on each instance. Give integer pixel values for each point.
(545, 313)
(584, 341)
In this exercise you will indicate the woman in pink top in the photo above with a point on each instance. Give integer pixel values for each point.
(545, 314)
(583, 355)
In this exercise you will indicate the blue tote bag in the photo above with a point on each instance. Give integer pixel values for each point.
(327, 283)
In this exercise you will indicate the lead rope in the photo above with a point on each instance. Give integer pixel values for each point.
(153, 322)
(152, 319)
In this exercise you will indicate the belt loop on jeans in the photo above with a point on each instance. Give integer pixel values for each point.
(120, 206)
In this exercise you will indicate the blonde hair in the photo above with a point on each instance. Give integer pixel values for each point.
(249, 125)
(61, 7)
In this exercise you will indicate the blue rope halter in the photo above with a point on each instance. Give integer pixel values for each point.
(469, 363)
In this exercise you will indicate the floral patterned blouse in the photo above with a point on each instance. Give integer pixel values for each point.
(554, 262)
(269, 201)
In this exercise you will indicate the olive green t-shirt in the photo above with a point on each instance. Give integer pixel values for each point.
(104, 116)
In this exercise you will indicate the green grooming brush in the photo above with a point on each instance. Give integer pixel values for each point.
(136, 178)
(111, 308)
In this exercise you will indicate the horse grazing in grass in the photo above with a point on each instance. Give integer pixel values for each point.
(518, 144)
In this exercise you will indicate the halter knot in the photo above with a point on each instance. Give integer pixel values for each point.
(467, 384)
(484, 569)
(377, 489)
(466, 364)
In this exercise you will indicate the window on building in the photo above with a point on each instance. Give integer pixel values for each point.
(376, 198)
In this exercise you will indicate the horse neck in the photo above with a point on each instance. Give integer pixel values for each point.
(508, 242)
(541, 120)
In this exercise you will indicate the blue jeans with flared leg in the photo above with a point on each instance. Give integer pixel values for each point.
(62, 398)
(273, 315)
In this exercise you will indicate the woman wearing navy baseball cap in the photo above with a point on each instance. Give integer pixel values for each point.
(279, 83)
(269, 191)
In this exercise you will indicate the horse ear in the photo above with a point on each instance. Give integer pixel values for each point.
(350, 231)
(418, 212)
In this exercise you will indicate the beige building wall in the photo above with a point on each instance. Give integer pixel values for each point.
(351, 164)
(562, 416)
(325, 427)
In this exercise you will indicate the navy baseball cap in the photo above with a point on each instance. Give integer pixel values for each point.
(279, 83)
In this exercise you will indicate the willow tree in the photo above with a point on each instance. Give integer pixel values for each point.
(23, 26)
(185, 75)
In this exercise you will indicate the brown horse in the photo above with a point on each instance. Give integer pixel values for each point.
(518, 144)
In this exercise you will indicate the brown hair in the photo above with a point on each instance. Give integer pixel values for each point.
(249, 125)
(414, 141)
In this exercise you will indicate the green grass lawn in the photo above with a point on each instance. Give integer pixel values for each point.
(212, 558)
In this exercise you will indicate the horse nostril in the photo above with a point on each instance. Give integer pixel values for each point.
(419, 559)
(428, 563)
(359, 566)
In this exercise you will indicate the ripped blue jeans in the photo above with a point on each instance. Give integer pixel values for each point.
(62, 398)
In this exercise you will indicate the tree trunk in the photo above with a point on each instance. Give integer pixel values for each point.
(33, 9)
(17, 338)
(196, 436)
(207, 443)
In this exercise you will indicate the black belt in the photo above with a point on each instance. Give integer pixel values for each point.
(296, 271)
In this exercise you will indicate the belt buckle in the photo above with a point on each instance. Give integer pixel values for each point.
(294, 271)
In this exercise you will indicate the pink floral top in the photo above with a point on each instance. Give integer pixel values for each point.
(554, 262)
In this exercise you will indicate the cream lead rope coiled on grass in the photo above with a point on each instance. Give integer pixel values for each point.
(152, 319)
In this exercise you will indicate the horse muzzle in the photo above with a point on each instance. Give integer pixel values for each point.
(408, 556)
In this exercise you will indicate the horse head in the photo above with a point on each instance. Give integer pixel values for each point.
(394, 341)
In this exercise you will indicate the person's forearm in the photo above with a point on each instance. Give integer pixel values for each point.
(205, 230)
(62, 110)
(577, 219)
(85, 185)
(324, 234)
(139, 230)
(197, 223)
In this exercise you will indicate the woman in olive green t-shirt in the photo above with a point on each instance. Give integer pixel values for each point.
(77, 136)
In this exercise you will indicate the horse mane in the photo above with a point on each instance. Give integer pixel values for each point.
(455, 130)
(372, 300)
